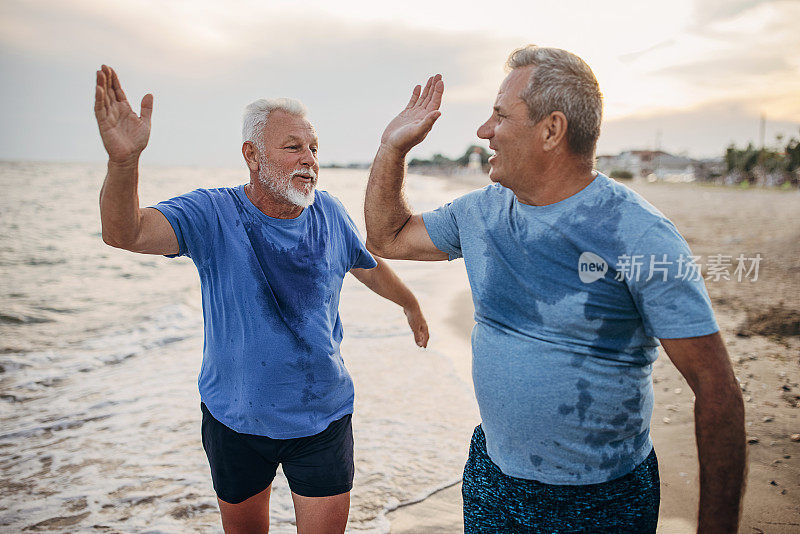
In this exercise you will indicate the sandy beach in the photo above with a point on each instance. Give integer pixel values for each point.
(760, 322)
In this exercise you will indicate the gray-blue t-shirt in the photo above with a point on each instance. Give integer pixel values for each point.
(271, 361)
(569, 300)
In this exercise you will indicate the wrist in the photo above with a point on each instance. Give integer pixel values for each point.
(391, 152)
(122, 164)
(412, 308)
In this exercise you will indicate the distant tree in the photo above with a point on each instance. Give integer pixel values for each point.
(792, 155)
(783, 160)
(621, 175)
(440, 159)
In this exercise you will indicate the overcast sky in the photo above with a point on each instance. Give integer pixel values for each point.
(700, 72)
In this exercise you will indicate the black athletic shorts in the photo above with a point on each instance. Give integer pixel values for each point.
(243, 465)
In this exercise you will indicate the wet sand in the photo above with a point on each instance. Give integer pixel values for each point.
(759, 322)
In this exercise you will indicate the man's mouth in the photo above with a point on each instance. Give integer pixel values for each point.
(306, 176)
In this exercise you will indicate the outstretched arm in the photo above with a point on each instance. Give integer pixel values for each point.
(393, 231)
(385, 282)
(719, 429)
(125, 136)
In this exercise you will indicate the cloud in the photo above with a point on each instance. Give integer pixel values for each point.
(729, 70)
(353, 77)
(732, 51)
(355, 67)
(633, 56)
(710, 11)
(694, 131)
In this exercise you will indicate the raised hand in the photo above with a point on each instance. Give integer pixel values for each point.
(414, 123)
(124, 133)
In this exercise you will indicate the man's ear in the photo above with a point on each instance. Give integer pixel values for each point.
(554, 131)
(250, 154)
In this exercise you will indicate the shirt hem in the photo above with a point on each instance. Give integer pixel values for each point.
(278, 435)
(640, 456)
(680, 333)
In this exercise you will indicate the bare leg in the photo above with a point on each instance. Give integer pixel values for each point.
(248, 517)
(321, 515)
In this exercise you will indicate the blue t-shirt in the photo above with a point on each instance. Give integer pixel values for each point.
(566, 329)
(271, 362)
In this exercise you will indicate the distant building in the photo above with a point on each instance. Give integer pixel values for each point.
(653, 165)
(474, 163)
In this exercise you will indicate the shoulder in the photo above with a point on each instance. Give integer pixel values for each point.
(635, 214)
(329, 204)
(209, 195)
(325, 199)
(624, 199)
(488, 195)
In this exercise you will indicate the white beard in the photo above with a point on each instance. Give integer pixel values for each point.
(280, 184)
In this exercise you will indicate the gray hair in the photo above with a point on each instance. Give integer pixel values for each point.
(561, 81)
(257, 113)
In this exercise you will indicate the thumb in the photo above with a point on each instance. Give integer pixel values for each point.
(430, 118)
(147, 108)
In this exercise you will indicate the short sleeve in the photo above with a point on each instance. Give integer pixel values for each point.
(189, 216)
(442, 227)
(358, 255)
(667, 285)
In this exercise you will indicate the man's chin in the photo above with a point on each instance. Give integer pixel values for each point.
(302, 197)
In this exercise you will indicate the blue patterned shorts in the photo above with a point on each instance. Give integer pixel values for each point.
(497, 503)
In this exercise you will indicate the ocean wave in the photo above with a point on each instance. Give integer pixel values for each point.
(55, 427)
(19, 318)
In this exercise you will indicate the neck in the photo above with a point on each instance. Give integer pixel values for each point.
(554, 182)
(268, 204)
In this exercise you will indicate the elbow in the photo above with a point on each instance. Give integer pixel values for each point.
(380, 249)
(115, 241)
(110, 241)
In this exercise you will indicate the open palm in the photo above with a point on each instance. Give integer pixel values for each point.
(414, 123)
(124, 133)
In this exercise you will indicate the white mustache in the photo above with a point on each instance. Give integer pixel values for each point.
(309, 172)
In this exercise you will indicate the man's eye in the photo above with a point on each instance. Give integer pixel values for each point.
(292, 147)
(314, 149)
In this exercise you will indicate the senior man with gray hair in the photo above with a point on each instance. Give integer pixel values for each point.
(271, 255)
(568, 317)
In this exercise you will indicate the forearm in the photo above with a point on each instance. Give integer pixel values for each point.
(119, 203)
(719, 428)
(384, 281)
(386, 209)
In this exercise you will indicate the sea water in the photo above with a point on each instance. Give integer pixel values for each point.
(100, 350)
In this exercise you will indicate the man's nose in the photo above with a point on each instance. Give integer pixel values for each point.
(308, 157)
(485, 130)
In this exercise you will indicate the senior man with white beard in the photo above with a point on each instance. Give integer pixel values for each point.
(271, 255)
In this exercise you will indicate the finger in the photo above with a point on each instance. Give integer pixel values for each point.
(429, 95)
(117, 86)
(112, 94)
(147, 108)
(107, 85)
(99, 103)
(99, 95)
(414, 96)
(436, 98)
(425, 91)
(424, 336)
